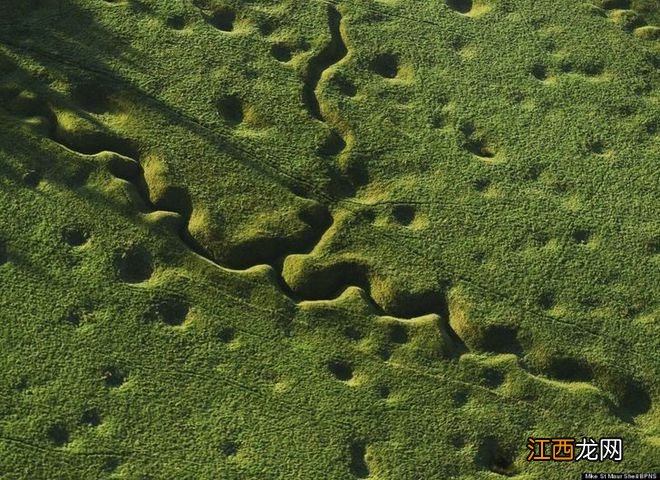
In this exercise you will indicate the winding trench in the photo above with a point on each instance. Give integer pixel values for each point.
(131, 171)
(331, 54)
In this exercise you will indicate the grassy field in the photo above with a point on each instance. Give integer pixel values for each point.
(327, 239)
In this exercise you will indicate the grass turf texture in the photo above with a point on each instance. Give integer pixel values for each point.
(327, 239)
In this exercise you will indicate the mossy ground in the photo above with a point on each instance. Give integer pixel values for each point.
(329, 239)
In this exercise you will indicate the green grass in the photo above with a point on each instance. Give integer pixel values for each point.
(377, 239)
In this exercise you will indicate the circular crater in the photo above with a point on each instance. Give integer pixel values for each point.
(333, 145)
(386, 65)
(91, 418)
(492, 456)
(229, 448)
(597, 147)
(492, 378)
(75, 235)
(32, 178)
(581, 236)
(540, 72)
(398, 334)
(500, 339)
(111, 464)
(226, 335)
(481, 184)
(341, 370)
(113, 376)
(404, 214)
(345, 86)
(546, 300)
(230, 109)
(223, 19)
(632, 398)
(171, 310)
(176, 22)
(383, 391)
(281, 53)
(75, 316)
(568, 369)
(58, 435)
(460, 398)
(134, 265)
(460, 6)
(593, 69)
(267, 27)
(384, 353)
(93, 96)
